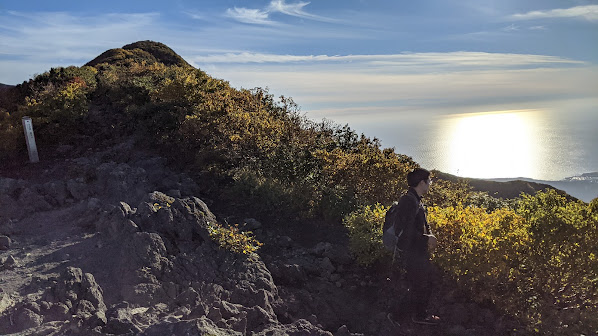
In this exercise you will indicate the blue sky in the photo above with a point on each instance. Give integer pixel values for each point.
(337, 59)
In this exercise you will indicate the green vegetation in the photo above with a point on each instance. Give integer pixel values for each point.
(535, 259)
(233, 239)
(532, 257)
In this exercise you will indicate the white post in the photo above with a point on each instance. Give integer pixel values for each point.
(30, 138)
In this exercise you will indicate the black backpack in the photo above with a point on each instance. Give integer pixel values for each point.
(392, 225)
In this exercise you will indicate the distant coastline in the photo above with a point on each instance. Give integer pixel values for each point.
(583, 187)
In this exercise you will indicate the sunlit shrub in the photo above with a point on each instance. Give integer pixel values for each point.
(365, 233)
(233, 239)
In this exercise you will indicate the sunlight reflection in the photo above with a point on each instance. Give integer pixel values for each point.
(493, 144)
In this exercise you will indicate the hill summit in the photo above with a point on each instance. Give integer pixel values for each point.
(148, 51)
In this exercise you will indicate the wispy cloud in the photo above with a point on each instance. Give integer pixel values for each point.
(295, 9)
(589, 13)
(251, 16)
(447, 60)
(511, 28)
(262, 16)
(60, 35)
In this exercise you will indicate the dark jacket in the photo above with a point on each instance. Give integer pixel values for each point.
(416, 224)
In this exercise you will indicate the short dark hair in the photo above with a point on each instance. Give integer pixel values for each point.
(417, 175)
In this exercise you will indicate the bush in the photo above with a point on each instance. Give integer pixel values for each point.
(365, 233)
(233, 239)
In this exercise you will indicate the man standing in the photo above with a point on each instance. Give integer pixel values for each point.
(415, 243)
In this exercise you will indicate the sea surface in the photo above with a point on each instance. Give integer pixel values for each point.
(547, 144)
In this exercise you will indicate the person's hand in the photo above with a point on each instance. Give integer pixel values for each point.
(432, 242)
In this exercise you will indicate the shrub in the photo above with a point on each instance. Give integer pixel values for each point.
(233, 239)
(365, 233)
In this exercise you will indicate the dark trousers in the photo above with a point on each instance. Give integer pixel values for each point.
(413, 293)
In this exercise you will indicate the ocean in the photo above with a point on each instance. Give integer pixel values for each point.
(545, 144)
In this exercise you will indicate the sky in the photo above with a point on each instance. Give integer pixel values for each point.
(351, 61)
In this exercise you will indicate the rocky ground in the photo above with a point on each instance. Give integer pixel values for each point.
(113, 242)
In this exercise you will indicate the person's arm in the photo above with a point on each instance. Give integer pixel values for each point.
(432, 240)
(407, 211)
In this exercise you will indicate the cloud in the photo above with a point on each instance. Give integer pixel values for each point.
(339, 93)
(408, 61)
(511, 28)
(59, 35)
(375, 86)
(589, 13)
(251, 16)
(295, 9)
(262, 17)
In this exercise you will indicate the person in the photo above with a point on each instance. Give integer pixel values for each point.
(416, 241)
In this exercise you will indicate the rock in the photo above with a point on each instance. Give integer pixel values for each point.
(94, 204)
(56, 192)
(174, 193)
(326, 267)
(299, 327)
(285, 274)
(252, 224)
(342, 331)
(8, 186)
(120, 320)
(30, 200)
(83, 293)
(336, 253)
(77, 189)
(178, 219)
(4, 242)
(57, 312)
(200, 326)
(335, 277)
(285, 241)
(115, 223)
(9, 263)
(26, 318)
(320, 249)
(5, 302)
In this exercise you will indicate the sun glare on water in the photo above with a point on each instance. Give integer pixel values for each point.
(492, 144)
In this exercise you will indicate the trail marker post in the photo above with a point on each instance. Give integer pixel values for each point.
(30, 138)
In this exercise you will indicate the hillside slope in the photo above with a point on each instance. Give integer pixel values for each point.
(113, 242)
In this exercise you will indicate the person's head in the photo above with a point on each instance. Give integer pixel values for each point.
(419, 179)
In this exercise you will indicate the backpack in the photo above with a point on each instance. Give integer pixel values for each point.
(390, 237)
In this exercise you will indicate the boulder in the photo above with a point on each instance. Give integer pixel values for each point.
(25, 318)
(9, 263)
(77, 188)
(80, 294)
(31, 201)
(4, 242)
(120, 320)
(56, 192)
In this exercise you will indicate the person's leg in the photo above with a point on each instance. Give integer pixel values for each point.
(419, 278)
